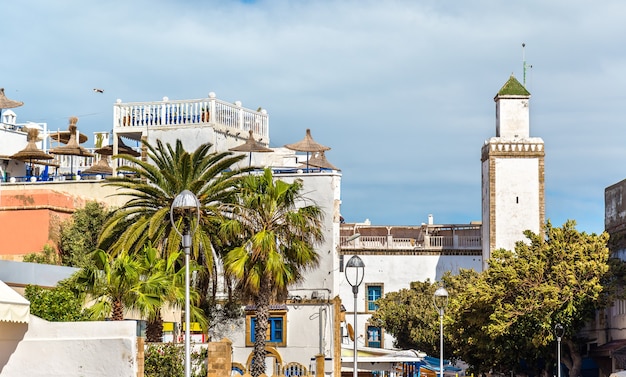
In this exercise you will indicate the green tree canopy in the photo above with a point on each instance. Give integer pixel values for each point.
(508, 313)
(59, 304)
(78, 236)
(410, 317)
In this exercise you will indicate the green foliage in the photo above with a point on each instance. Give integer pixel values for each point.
(276, 243)
(508, 312)
(49, 256)
(410, 317)
(170, 170)
(79, 234)
(164, 360)
(59, 304)
(168, 360)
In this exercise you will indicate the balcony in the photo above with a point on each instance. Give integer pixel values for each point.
(130, 119)
(425, 238)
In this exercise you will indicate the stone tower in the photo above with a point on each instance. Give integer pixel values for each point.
(513, 189)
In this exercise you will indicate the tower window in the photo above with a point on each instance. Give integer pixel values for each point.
(517, 199)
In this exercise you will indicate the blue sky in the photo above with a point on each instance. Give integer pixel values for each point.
(401, 90)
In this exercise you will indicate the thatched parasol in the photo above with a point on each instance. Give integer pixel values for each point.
(64, 137)
(319, 161)
(6, 103)
(307, 145)
(101, 167)
(31, 153)
(122, 148)
(72, 148)
(250, 146)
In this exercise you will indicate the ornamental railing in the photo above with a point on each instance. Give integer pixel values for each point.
(127, 116)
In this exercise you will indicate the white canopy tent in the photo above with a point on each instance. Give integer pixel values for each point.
(13, 307)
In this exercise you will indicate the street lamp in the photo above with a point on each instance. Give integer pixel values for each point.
(440, 300)
(186, 202)
(355, 271)
(558, 331)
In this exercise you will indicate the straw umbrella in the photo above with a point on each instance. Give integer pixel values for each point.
(31, 153)
(6, 103)
(307, 145)
(319, 161)
(64, 137)
(122, 148)
(72, 148)
(102, 166)
(250, 146)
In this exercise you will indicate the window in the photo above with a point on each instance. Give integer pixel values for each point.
(276, 334)
(374, 292)
(374, 337)
(274, 331)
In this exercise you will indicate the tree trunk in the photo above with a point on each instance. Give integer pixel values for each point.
(575, 361)
(154, 328)
(117, 313)
(260, 329)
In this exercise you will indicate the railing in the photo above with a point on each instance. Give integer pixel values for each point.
(190, 112)
(404, 243)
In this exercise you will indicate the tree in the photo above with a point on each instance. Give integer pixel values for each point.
(170, 289)
(119, 283)
(277, 232)
(58, 304)
(152, 186)
(508, 312)
(409, 315)
(79, 235)
(48, 256)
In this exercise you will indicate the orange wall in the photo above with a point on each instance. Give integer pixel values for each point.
(26, 218)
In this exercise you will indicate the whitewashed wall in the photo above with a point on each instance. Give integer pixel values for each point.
(75, 349)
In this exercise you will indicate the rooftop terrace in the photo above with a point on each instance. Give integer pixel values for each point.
(130, 119)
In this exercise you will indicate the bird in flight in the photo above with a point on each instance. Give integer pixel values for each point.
(98, 90)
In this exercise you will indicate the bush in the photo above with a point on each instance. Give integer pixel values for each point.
(168, 360)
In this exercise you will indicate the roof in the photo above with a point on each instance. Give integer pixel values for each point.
(513, 88)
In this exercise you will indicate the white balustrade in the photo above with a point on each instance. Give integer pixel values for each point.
(190, 112)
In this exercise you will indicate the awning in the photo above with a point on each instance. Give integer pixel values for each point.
(13, 307)
(610, 348)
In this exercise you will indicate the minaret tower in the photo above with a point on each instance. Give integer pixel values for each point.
(513, 187)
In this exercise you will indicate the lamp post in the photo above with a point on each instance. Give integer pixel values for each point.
(355, 271)
(558, 331)
(440, 300)
(186, 202)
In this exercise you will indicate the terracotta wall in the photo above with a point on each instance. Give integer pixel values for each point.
(27, 217)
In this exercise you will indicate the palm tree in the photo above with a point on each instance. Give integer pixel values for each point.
(171, 291)
(152, 186)
(118, 284)
(277, 233)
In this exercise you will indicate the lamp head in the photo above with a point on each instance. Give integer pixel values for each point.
(559, 331)
(185, 202)
(355, 271)
(440, 299)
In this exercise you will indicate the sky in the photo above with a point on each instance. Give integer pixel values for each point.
(402, 91)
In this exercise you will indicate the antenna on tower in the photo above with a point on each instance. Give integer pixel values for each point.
(524, 65)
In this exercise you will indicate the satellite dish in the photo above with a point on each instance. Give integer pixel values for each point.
(350, 332)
